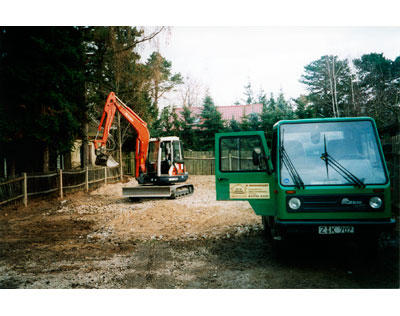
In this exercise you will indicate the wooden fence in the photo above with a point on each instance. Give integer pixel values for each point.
(61, 181)
(200, 162)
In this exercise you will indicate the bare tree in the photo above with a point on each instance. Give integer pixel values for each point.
(332, 75)
(190, 92)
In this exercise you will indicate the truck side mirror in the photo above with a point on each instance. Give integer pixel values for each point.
(256, 156)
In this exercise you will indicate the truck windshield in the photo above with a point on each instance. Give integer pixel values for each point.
(353, 144)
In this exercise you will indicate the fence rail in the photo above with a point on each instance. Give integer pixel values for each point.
(62, 181)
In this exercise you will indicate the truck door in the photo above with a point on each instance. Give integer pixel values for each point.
(243, 170)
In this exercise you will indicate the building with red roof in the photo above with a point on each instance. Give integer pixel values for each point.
(229, 112)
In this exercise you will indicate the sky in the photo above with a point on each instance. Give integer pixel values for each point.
(224, 49)
(225, 59)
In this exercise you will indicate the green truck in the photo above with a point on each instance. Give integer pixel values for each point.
(318, 177)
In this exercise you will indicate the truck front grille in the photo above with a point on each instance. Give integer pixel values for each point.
(335, 203)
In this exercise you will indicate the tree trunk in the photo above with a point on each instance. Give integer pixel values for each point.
(5, 168)
(12, 167)
(352, 98)
(331, 86)
(46, 159)
(67, 161)
(85, 145)
(120, 145)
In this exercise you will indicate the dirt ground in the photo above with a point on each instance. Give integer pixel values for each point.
(102, 240)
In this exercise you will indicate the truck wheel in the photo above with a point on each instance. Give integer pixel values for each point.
(266, 228)
(371, 244)
(280, 249)
(279, 243)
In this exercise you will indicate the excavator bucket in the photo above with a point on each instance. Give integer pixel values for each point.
(106, 161)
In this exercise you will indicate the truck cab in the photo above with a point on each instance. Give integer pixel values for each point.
(318, 177)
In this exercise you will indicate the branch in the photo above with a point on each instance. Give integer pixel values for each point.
(144, 39)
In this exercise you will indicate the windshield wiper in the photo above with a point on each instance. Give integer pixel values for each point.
(345, 173)
(290, 167)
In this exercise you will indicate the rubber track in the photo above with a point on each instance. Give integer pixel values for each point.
(181, 193)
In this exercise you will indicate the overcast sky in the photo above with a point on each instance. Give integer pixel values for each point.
(224, 59)
(226, 48)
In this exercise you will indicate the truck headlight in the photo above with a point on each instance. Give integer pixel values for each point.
(294, 203)
(375, 202)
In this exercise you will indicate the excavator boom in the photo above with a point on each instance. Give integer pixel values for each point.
(113, 104)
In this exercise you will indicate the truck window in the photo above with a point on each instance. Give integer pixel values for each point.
(236, 154)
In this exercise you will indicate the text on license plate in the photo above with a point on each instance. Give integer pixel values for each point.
(330, 230)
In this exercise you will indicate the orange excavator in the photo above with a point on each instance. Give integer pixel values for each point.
(159, 163)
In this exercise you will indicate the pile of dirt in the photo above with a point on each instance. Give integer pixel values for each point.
(190, 217)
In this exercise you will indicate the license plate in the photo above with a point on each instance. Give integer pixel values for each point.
(331, 230)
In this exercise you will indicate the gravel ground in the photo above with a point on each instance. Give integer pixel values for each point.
(102, 240)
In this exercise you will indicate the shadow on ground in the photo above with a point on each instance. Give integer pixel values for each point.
(251, 262)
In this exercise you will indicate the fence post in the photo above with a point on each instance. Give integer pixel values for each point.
(25, 190)
(132, 162)
(105, 175)
(121, 171)
(87, 179)
(230, 161)
(61, 184)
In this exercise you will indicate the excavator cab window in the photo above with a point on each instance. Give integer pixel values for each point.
(178, 152)
(152, 157)
(166, 157)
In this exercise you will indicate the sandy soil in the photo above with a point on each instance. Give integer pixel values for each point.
(102, 240)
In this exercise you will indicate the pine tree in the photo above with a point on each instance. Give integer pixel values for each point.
(42, 106)
(254, 122)
(248, 92)
(302, 109)
(234, 125)
(328, 82)
(162, 80)
(379, 85)
(211, 123)
(187, 132)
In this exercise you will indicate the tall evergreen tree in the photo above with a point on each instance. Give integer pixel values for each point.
(328, 81)
(379, 83)
(234, 125)
(187, 134)
(302, 109)
(249, 94)
(42, 106)
(211, 123)
(162, 80)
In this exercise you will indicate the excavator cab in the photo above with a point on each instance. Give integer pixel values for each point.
(165, 164)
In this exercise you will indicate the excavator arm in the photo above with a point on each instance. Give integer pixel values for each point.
(113, 103)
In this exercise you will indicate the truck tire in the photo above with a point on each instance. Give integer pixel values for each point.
(266, 227)
(280, 249)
